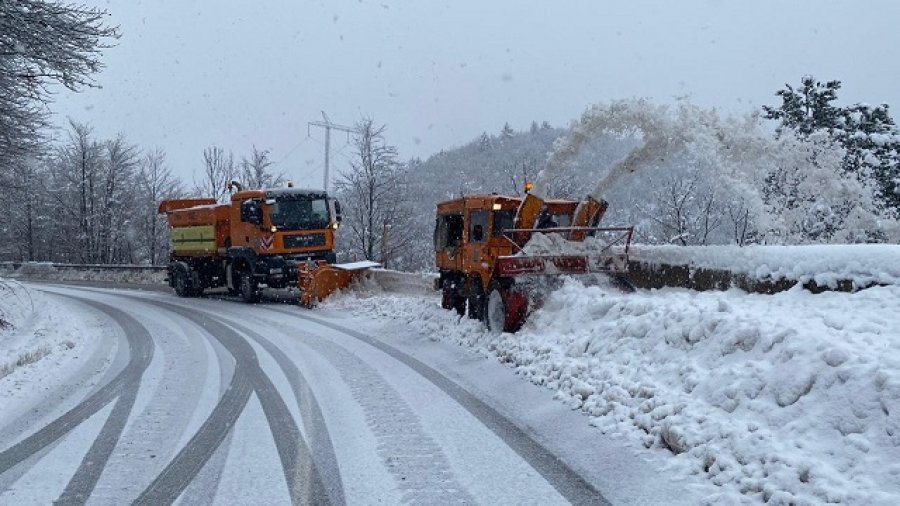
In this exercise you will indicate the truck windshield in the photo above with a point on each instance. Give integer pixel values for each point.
(299, 213)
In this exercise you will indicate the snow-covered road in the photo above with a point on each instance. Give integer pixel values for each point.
(212, 401)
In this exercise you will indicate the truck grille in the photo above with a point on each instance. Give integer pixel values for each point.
(304, 241)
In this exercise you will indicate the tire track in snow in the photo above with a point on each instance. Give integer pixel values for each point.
(124, 386)
(565, 480)
(415, 460)
(302, 476)
(302, 472)
(311, 416)
(175, 392)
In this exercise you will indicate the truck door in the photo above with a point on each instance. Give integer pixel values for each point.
(477, 237)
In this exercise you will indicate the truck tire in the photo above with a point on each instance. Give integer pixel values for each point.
(505, 309)
(451, 299)
(249, 290)
(183, 282)
(477, 301)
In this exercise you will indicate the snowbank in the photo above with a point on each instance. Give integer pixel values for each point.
(826, 265)
(787, 398)
(25, 336)
(862, 265)
(49, 339)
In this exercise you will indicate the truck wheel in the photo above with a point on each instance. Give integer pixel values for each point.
(505, 309)
(183, 285)
(249, 289)
(476, 303)
(450, 298)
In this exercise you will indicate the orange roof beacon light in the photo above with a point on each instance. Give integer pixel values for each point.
(528, 186)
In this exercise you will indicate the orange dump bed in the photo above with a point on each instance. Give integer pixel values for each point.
(199, 226)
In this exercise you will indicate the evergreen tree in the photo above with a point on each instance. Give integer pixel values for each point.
(484, 142)
(872, 141)
(507, 132)
(807, 108)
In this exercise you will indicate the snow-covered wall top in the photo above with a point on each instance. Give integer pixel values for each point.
(864, 264)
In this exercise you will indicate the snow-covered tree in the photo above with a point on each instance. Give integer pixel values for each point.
(255, 171)
(813, 198)
(484, 142)
(807, 108)
(43, 42)
(872, 143)
(868, 135)
(155, 183)
(506, 132)
(375, 195)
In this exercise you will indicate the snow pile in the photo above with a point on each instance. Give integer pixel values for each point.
(24, 335)
(22, 328)
(863, 264)
(16, 305)
(402, 282)
(788, 398)
(556, 244)
(47, 339)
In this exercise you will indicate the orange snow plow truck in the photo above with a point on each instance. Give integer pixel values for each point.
(491, 259)
(276, 238)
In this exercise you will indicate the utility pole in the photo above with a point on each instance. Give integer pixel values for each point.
(329, 126)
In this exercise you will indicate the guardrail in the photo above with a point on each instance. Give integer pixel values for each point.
(141, 274)
(72, 267)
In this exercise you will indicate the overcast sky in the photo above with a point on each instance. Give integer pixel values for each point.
(188, 74)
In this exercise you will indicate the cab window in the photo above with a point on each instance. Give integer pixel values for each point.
(448, 231)
(503, 220)
(478, 221)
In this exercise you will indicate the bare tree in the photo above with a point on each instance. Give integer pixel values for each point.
(120, 161)
(519, 172)
(155, 183)
(683, 210)
(255, 170)
(24, 210)
(77, 166)
(218, 170)
(374, 191)
(43, 42)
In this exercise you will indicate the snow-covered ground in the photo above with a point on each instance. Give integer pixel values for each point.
(46, 340)
(787, 398)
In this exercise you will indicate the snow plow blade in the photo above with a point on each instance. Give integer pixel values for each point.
(318, 281)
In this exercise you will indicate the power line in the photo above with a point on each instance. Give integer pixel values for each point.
(291, 151)
(329, 126)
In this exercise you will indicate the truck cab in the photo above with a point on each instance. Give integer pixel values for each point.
(274, 230)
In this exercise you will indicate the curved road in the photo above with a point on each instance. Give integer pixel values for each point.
(213, 401)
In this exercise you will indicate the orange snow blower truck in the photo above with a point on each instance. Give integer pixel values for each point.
(485, 262)
(277, 238)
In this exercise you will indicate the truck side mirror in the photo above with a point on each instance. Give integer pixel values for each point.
(337, 211)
